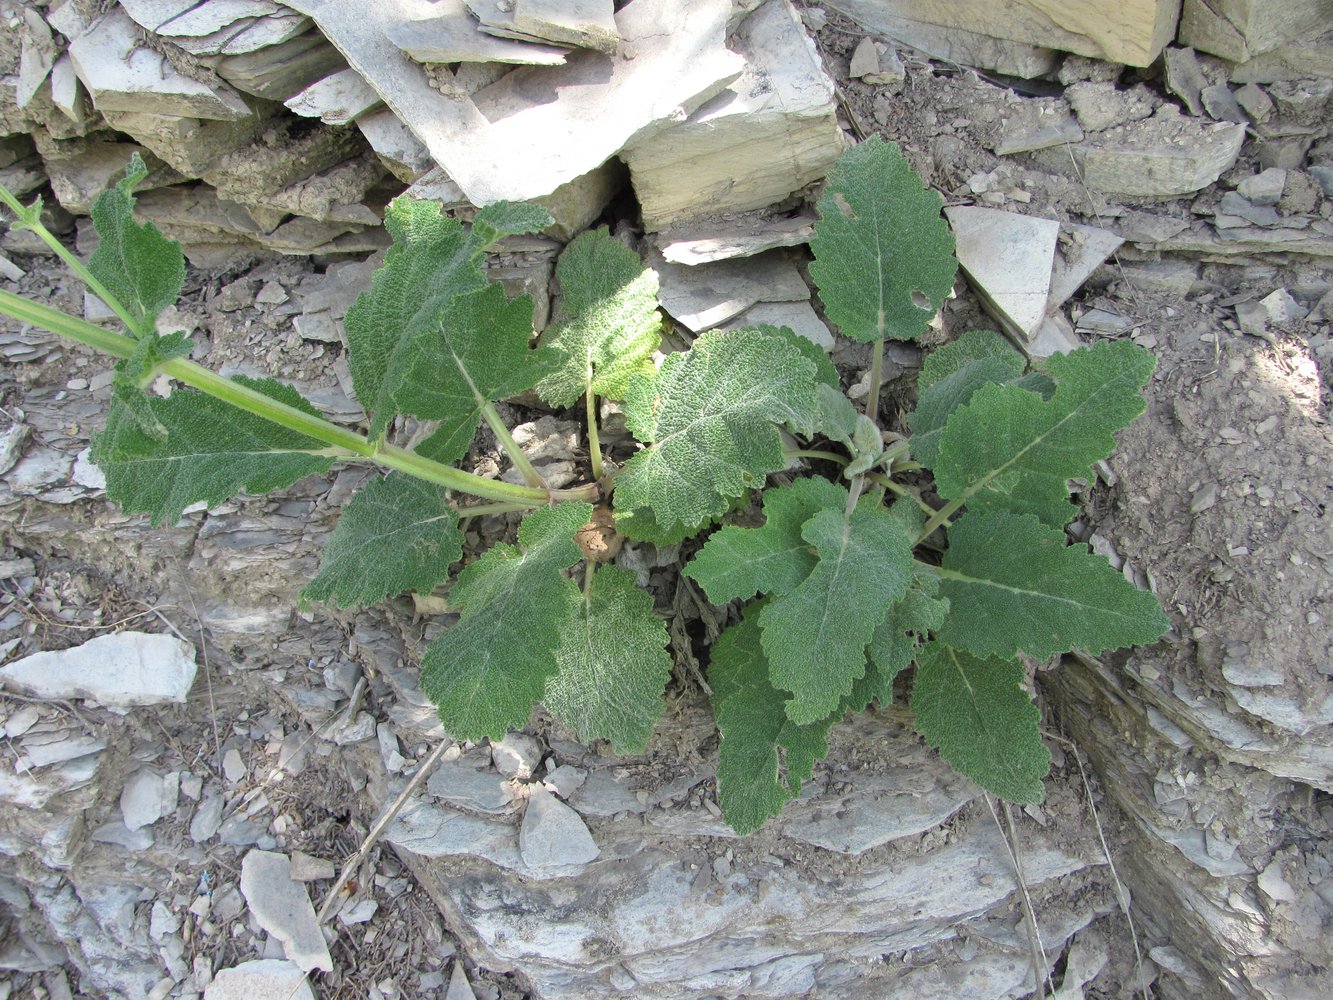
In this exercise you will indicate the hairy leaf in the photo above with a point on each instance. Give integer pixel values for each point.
(432, 261)
(764, 756)
(607, 326)
(612, 664)
(1014, 586)
(741, 562)
(836, 417)
(816, 634)
(133, 374)
(1010, 449)
(883, 253)
(640, 526)
(825, 372)
(710, 419)
(397, 534)
(211, 452)
(137, 264)
(485, 672)
(979, 716)
(894, 645)
(948, 379)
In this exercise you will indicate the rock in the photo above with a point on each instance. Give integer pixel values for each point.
(1028, 130)
(501, 143)
(36, 58)
(207, 817)
(1100, 106)
(1264, 188)
(282, 907)
(1282, 308)
(451, 35)
(335, 100)
(459, 988)
(119, 834)
(358, 913)
(1255, 102)
(117, 671)
(1221, 104)
(1233, 210)
(1079, 251)
(1185, 78)
(516, 756)
(706, 295)
(695, 244)
(464, 784)
(565, 780)
(263, 979)
(799, 317)
(865, 60)
(305, 868)
(552, 833)
(1274, 886)
(1240, 29)
(1163, 156)
(147, 797)
(1008, 258)
(587, 24)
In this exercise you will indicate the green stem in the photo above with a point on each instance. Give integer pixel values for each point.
(594, 444)
(939, 519)
(899, 490)
(828, 456)
(506, 440)
(487, 509)
(876, 380)
(254, 401)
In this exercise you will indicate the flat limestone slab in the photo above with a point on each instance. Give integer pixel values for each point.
(584, 23)
(706, 295)
(120, 670)
(452, 35)
(1160, 157)
(335, 100)
(123, 74)
(541, 127)
(701, 243)
(1008, 258)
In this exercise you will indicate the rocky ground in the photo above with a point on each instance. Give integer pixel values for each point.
(164, 848)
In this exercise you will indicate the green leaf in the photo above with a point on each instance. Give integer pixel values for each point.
(477, 354)
(431, 262)
(397, 534)
(825, 372)
(948, 380)
(957, 355)
(612, 664)
(640, 526)
(212, 451)
(897, 638)
(607, 326)
(774, 558)
(836, 418)
(764, 756)
(711, 420)
(485, 672)
(883, 253)
(133, 374)
(978, 714)
(816, 634)
(866, 447)
(139, 266)
(1013, 585)
(1010, 449)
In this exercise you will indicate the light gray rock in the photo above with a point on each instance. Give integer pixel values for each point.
(553, 834)
(587, 24)
(305, 868)
(516, 756)
(706, 295)
(565, 780)
(459, 987)
(263, 979)
(120, 670)
(451, 35)
(463, 784)
(148, 796)
(1009, 259)
(799, 317)
(1163, 156)
(207, 816)
(335, 100)
(282, 907)
(119, 834)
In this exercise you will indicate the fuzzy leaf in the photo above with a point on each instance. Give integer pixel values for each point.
(897, 638)
(133, 374)
(836, 418)
(816, 634)
(825, 372)
(764, 756)
(138, 265)
(883, 253)
(607, 327)
(711, 420)
(948, 379)
(774, 558)
(978, 714)
(431, 262)
(640, 526)
(1010, 449)
(396, 535)
(1014, 586)
(212, 451)
(485, 673)
(612, 664)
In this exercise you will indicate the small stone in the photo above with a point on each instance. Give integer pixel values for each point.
(459, 989)
(1204, 499)
(553, 834)
(1282, 308)
(516, 756)
(307, 868)
(120, 670)
(1255, 102)
(1264, 188)
(430, 981)
(265, 979)
(359, 912)
(282, 907)
(147, 797)
(207, 817)
(357, 730)
(565, 780)
(95, 310)
(233, 766)
(272, 294)
(162, 921)
(1274, 886)
(117, 833)
(461, 783)
(1221, 104)
(865, 59)
(1253, 319)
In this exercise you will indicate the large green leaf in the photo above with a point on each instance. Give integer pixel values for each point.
(607, 326)
(764, 756)
(612, 664)
(711, 421)
(773, 558)
(485, 672)
(894, 645)
(816, 634)
(139, 266)
(884, 259)
(397, 534)
(135, 373)
(211, 451)
(432, 261)
(1014, 586)
(978, 714)
(1010, 449)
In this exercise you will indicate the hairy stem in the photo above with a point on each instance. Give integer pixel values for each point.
(594, 443)
(939, 519)
(828, 456)
(899, 490)
(487, 509)
(506, 441)
(876, 380)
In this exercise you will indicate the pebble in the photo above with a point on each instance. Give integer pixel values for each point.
(147, 797)
(553, 834)
(272, 294)
(1204, 499)
(120, 670)
(359, 912)
(308, 868)
(282, 907)
(233, 767)
(264, 979)
(207, 817)
(1265, 187)
(516, 756)
(461, 783)
(565, 780)
(459, 988)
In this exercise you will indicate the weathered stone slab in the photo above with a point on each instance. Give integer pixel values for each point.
(707, 295)
(1079, 251)
(282, 907)
(37, 57)
(403, 153)
(81, 169)
(799, 317)
(703, 242)
(768, 134)
(1161, 157)
(335, 100)
(967, 48)
(277, 72)
(1008, 258)
(587, 24)
(190, 145)
(119, 670)
(451, 35)
(1241, 29)
(528, 134)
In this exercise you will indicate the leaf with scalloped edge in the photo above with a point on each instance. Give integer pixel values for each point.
(135, 373)
(612, 664)
(816, 634)
(139, 266)
(948, 379)
(211, 451)
(764, 756)
(979, 715)
(1010, 449)
(432, 261)
(1013, 586)
(396, 534)
(897, 638)
(607, 325)
(773, 558)
(710, 419)
(884, 259)
(485, 673)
